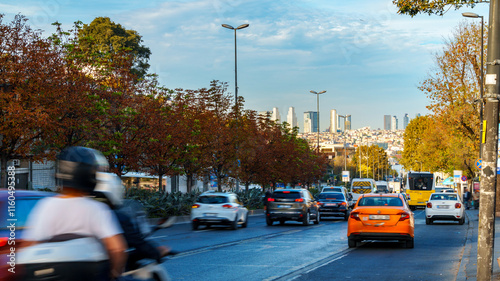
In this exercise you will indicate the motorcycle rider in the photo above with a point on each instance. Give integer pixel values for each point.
(111, 189)
(73, 213)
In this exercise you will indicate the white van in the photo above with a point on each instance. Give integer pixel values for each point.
(361, 186)
(381, 187)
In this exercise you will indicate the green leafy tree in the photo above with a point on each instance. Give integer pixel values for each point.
(438, 7)
(103, 37)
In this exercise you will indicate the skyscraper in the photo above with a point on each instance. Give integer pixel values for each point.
(348, 123)
(334, 121)
(394, 123)
(406, 120)
(291, 118)
(276, 115)
(387, 122)
(310, 122)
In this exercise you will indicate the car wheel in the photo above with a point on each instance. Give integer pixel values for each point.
(428, 221)
(307, 219)
(409, 244)
(282, 222)
(234, 224)
(269, 221)
(245, 224)
(461, 221)
(351, 242)
(318, 218)
(195, 225)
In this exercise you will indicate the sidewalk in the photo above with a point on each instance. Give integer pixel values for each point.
(468, 265)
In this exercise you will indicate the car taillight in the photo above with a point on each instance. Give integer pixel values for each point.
(299, 200)
(320, 203)
(355, 215)
(228, 206)
(404, 216)
(3, 241)
(195, 206)
(343, 204)
(429, 205)
(458, 205)
(270, 199)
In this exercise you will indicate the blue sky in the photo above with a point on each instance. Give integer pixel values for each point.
(368, 58)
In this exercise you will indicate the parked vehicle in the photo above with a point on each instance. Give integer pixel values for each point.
(292, 205)
(333, 204)
(381, 217)
(444, 206)
(218, 208)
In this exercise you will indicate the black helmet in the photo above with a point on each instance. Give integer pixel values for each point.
(78, 166)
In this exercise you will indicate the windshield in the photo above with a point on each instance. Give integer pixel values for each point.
(420, 181)
(212, 199)
(331, 196)
(380, 201)
(444, 197)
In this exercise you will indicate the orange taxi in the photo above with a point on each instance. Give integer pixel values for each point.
(381, 217)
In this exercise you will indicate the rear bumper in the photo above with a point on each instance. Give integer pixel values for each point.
(380, 236)
(332, 213)
(212, 220)
(296, 215)
(445, 217)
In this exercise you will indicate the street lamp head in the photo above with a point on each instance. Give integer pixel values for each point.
(227, 26)
(243, 26)
(314, 92)
(471, 15)
(348, 115)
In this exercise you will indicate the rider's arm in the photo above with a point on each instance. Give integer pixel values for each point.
(116, 246)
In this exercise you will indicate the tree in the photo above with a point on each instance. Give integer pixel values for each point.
(102, 37)
(414, 7)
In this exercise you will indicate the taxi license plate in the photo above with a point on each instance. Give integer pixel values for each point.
(379, 217)
(331, 204)
(284, 206)
(443, 206)
(210, 214)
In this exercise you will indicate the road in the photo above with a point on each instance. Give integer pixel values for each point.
(316, 252)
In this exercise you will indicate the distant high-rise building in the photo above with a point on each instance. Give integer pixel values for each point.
(291, 118)
(394, 123)
(387, 122)
(406, 120)
(265, 114)
(276, 115)
(418, 114)
(348, 123)
(334, 121)
(310, 122)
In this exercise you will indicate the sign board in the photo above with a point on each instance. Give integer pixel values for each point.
(457, 176)
(464, 178)
(346, 177)
(479, 163)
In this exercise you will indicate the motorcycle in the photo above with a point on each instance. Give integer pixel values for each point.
(77, 257)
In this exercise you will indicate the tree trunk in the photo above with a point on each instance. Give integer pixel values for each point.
(160, 183)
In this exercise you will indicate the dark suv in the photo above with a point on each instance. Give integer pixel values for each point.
(292, 205)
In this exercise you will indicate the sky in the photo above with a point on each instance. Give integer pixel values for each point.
(368, 59)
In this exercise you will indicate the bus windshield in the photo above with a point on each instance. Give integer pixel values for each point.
(420, 181)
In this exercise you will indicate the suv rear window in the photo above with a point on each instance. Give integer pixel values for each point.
(338, 196)
(212, 199)
(286, 195)
(380, 201)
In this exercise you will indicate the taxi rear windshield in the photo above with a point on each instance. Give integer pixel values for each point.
(212, 199)
(380, 201)
(286, 195)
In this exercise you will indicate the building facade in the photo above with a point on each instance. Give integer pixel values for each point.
(310, 122)
(291, 118)
(394, 123)
(387, 122)
(275, 116)
(406, 120)
(334, 121)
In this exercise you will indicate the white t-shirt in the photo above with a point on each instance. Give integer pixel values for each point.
(78, 215)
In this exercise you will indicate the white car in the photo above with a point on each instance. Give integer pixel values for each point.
(218, 208)
(444, 206)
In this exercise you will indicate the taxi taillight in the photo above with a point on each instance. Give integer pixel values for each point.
(429, 205)
(195, 206)
(355, 215)
(404, 216)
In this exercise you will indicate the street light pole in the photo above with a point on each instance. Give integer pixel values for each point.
(345, 151)
(236, 82)
(317, 94)
(481, 87)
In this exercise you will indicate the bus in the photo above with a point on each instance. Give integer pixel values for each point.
(419, 187)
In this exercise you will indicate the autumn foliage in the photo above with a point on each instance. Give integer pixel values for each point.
(56, 92)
